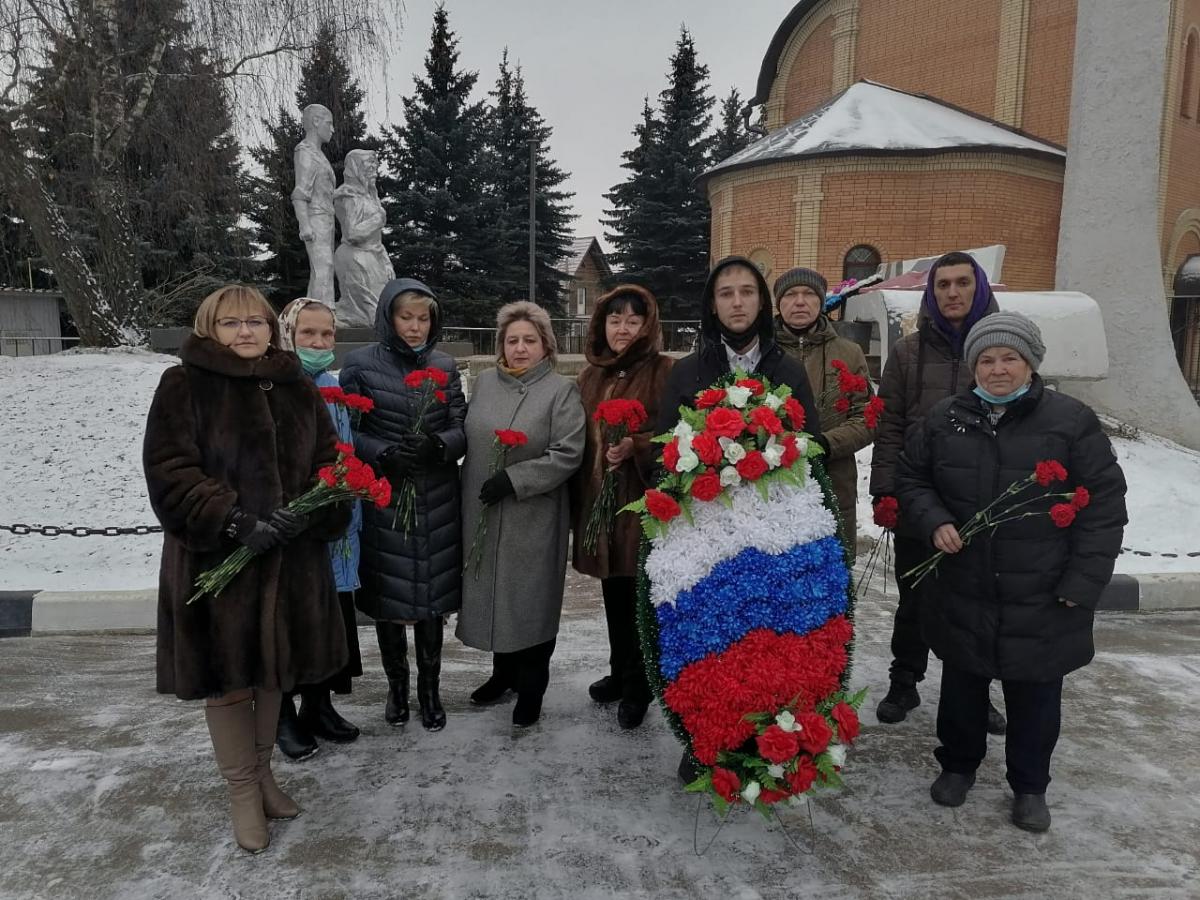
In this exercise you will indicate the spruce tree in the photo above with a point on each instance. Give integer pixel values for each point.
(325, 78)
(636, 207)
(436, 188)
(732, 136)
(513, 123)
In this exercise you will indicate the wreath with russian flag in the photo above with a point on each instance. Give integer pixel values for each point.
(745, 607)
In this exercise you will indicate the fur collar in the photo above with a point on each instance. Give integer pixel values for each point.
(205, 353)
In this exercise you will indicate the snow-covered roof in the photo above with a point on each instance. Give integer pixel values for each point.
(873, 118)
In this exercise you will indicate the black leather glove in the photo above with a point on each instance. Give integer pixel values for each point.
(823, 443)
(288, 523)
(254, 535)
(496, 489)
(421, 449)
(394, 464)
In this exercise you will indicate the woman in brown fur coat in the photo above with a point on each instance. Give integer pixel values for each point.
(234, 434)
(625, 361)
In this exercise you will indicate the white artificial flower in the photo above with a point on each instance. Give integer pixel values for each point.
(775, 771)
(738, 396)
(786, 721)
(802, 446)
(751, 791)
(773, 453)
(773, 401)
(684, 431)
(734, 452)
(837, 754)
(730, 477)
(688, 460)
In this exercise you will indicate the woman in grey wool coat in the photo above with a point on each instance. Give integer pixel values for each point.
(512, 600)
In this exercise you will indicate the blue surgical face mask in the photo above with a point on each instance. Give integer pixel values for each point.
(314, 361)
(420, 348)
(1001, 401)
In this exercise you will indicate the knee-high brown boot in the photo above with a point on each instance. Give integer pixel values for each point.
(231, 727)
(276, 804)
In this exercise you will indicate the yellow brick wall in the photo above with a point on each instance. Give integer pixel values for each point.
(810, 82)
(1049, 69)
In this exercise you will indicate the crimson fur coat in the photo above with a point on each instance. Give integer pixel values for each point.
(223, 432)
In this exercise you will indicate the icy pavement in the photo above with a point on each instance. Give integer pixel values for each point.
(110, 791)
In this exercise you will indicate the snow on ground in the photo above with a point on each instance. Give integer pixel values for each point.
(72, 438)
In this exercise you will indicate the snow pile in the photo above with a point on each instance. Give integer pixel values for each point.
(72, 443)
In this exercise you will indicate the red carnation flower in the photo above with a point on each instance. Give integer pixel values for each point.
(662, 506)
(1081, 498)
(791, 452)
(510, 438)
(381, 493)
(437, 376)
(1063, 514)
(726, 784)
(670, 455)
(752, 466)
(887, 511)
(804, 776)
(847, 722)
(724, 422)
(839, 365)
(358, 402)
(707, 448)
(770, 797)
(763, 417)
(815, 733)
(849, 383)
(332, 394)
(795, 412)
(710, 398)
(440, 395)
(327, 475)
(360, 478)
(344, 449)
(415, 378)
(706, 486)
(841, 404)
(1048, 471)
(872, 412)
(778, 746)
(755, 386)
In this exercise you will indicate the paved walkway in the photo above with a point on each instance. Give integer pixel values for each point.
(109, 791)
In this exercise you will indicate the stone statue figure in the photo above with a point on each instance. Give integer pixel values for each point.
(363, 267)
(313, 200)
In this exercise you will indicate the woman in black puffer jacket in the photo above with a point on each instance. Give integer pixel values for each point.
(410, 578)
(1015, 604)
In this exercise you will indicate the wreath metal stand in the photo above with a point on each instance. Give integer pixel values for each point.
(812, 829)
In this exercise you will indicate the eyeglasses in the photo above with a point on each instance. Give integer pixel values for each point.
(254, 323)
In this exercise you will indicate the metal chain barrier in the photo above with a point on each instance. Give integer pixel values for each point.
(80, 530)
(1157, 553)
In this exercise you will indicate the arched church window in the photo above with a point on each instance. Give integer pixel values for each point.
(860, 262)
(1187, 90)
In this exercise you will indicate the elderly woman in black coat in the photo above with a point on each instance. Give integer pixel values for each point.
(410, 577)
(1015, 603)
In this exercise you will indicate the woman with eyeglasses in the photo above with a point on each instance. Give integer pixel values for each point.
(235, 433)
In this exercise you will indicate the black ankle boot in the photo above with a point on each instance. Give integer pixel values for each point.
(900, 699)
(293, 738)
(605, 690)
(393, 650)
(319, 717)
(527, 710)
(427, 637)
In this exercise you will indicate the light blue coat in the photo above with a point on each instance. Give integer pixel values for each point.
(344, 552)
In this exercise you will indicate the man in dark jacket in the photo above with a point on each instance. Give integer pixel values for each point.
(737, 331)
(923, 368)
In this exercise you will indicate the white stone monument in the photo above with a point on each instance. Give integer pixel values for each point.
(362, 264)
(1108, 245)
(312, 200)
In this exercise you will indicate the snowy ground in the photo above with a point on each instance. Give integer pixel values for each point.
(110, 791)
(71, 441)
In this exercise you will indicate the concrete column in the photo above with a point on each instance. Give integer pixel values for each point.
(808, 199)
(1109, 234)
(1011, 60)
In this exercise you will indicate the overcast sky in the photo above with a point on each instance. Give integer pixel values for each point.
(587, 67)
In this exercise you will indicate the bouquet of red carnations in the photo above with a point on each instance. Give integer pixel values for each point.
(620, 418)
(347, 479)
(430, 383)
(504, 441)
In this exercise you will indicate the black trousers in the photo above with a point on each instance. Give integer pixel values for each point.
(910, 653)
(1034, 717)
(526, 671)
(625, 646)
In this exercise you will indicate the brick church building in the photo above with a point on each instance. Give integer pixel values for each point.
(903, 128)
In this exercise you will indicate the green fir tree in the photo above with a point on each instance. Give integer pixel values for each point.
(732, 136)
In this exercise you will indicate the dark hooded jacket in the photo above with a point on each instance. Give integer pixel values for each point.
(415, 576)
(638, 373)
(992, 608)
(700, 370)
(223, 432)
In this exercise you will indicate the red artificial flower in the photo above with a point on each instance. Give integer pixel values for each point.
(629, 413)
(381, 492)
(510, 438)
(726, 784)
(707, 448)
(804, 776)
(1081, 498)
(1063, 514)
(770, 797)
(839, 365)
(815, 733)
(344, 449)
(778, 746)
(1048, 471)
(706, 486)
(710, 398)
(887, 512)
(752, 466)
(327, 475)
(755, 386)
(670, 455)
(795, 412)
(847, 722)
(872, 412)
(841, 404)
(763, 417)
(724, 422)
(662, 506)
(791, 452)
(440, 396)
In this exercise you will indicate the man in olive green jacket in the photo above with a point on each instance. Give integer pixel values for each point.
(805, 332)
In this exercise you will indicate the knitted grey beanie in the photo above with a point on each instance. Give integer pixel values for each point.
(807, 277)
(1005, 329)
